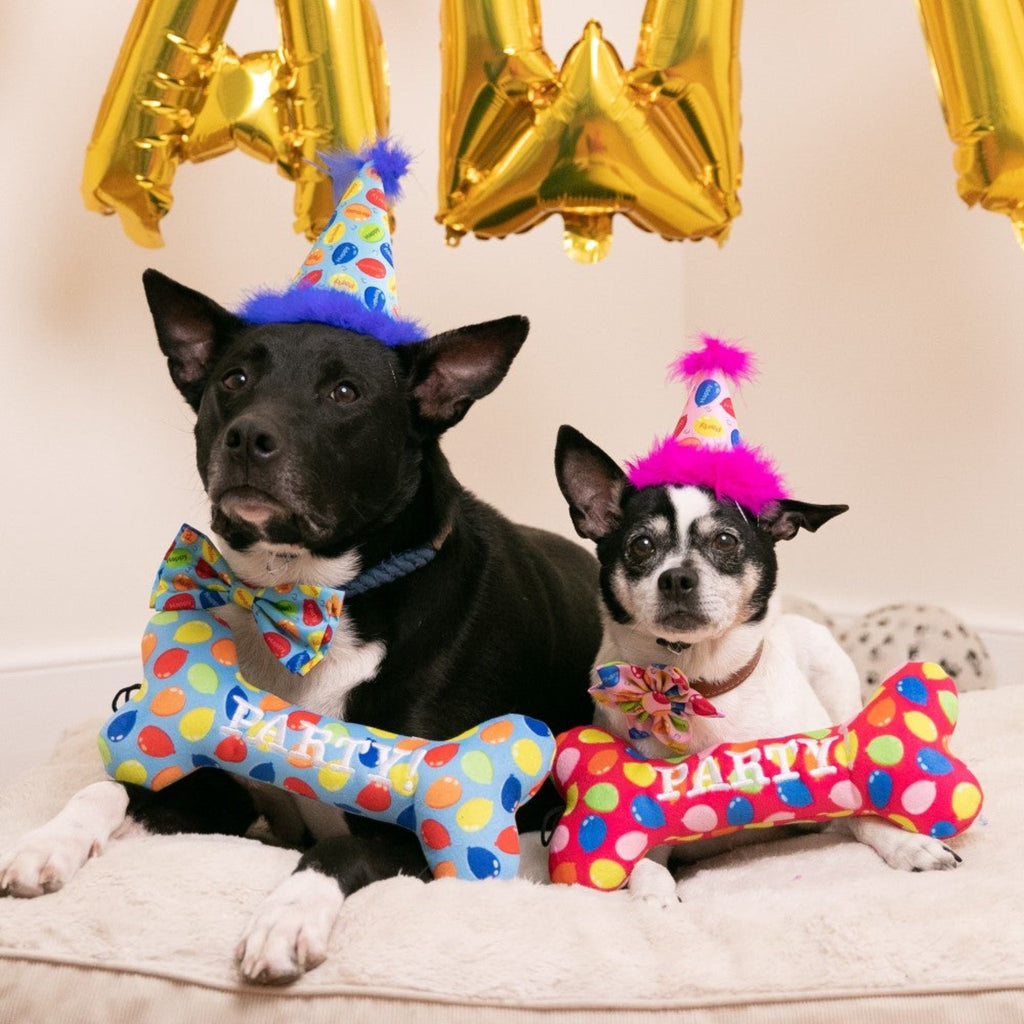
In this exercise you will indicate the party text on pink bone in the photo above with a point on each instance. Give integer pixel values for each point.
(313, 741)
(747, 768)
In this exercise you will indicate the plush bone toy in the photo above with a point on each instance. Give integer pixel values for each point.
(892, 761)
(195, 710)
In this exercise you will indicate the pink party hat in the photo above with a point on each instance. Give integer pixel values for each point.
(348, 278)
(705, 449)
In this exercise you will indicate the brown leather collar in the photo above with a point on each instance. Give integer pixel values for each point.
(715, 688)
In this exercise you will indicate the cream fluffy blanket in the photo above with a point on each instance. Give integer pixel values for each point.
(819, 917)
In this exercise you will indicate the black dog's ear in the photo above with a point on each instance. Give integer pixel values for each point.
(191, 330)
(451, 371)
(591, 482)
(784, 519)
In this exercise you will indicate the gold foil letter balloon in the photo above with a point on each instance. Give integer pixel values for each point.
(977, 54)
(521, 139)
(178, 92)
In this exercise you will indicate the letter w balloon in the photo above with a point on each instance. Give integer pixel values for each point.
(522, 140)
(178, 92)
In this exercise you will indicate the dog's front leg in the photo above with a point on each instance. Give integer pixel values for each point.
(652, 879)
(48, 857)
(290, 931)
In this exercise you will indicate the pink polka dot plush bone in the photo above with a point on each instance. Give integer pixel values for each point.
(892, 761)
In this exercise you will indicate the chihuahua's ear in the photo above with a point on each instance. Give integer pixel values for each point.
(191, 329)
(450, 371)
(784, 519)
(591, 482)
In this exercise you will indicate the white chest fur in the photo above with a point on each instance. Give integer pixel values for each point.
(349, 661)
(801, 682)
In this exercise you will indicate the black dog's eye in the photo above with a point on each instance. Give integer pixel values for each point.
(344, 393)
(725, 541)
(640, 547)
(234, 380)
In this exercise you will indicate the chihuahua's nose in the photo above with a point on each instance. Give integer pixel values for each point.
(677, 582)
(251, 437)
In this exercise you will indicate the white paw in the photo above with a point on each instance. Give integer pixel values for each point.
(288, 934)
(653, 882)
(905, 851)
(42, 861)
(913, 852)
(533, 859)
(48, 857)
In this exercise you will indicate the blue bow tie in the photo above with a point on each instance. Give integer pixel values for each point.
(297, 623)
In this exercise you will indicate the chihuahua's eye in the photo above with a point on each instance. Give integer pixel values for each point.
(344, 393)
(640, 547)
(725, 541)
(234, 380)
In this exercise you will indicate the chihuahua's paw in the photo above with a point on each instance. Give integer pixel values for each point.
(905, 851)
(919, 853)
(47, 858)
(653, 882)
(289, 933)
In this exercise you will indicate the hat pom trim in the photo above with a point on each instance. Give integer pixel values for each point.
(336, 309)
(715, 357)
(744, 475)
(389, 159)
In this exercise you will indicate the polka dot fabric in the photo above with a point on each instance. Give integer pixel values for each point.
(709, 418)
(656, 700)
(296, 623)
(195, 710)
(353, 253)
(892, 761)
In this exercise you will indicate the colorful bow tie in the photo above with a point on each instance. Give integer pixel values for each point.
(297, 623)
(656, 699)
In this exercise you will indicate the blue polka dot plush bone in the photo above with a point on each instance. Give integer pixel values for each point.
(195, 710)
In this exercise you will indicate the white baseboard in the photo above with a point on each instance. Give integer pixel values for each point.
(1006, 649)
(43, 701)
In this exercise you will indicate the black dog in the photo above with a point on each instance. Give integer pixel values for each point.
(319, 452)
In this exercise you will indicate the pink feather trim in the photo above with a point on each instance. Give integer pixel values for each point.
(744, 475)
(734, 362)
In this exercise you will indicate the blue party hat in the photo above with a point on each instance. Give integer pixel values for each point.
(348, 278)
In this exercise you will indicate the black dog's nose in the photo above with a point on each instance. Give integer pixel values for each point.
(677, 582)
(248, 436)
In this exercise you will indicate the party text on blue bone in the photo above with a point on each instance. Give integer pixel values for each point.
(312, 742)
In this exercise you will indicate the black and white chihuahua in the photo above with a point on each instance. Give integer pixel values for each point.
(319, 451)
(689, 580)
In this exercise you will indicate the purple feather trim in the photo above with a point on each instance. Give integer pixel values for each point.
(336, 309)
(744, 475)
(734, 362)
(389, 159)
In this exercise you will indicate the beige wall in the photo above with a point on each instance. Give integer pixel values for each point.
(886, 317)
